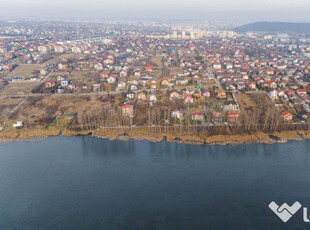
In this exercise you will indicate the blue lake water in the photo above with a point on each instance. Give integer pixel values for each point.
(90, 183)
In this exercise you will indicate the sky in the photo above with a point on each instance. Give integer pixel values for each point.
(235, 10)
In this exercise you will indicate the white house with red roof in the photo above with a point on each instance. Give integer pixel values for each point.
(149, 68)
(302, 93)
(287, 116)
(197, 116)
(127, 110)
(111, 79)
(252, 85)
(188, 98)
(49, 84)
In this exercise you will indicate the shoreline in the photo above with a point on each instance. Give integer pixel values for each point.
(235, 139)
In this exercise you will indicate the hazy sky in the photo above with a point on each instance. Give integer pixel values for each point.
(245, 10)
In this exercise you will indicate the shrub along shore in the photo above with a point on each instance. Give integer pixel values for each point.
(177, 137)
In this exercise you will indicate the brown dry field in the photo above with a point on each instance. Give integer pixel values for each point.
(80, 78)
(209, 84)
(244, 101)
(25, 70)
(175, 71)
(58, 58)
(7, 105)
(20, 88)
(37, 111)
(157, 61)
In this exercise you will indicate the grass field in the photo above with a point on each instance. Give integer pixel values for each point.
(62, 122)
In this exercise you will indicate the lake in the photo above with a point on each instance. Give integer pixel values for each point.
(91, 183)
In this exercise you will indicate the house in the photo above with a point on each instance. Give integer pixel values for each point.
(14, 79)
(49, 84)
(130, 95)
(302, 93)
(217, 66)
(282, 84)
(197, 116)
(18, 124)
(43, 72)
(153, 84)
(241, 85)
(273, 94)
(118, 68)
(174, 94)
(217, 117)
(104, 75)
(177, 114)
(252, 85)
(229, 85)
(59, 49)
(141, 96)
(287, 116)
(272, 84)
(197, 92)
(123, 73)
(245, 76)
(188, 98)
(181, 81)
(60, 89)
(153, 98)
(96, 87)
(148, 68)
(72, 86)
(137, 73)
(269, 71)
(143, 82)
(60, 78)
(34, 78)
(233, 116)
(190, 90)
(127, 111)
(221, 94)
(165, 81)
(290, 93)
(229, 66)
(62, 66)
(111, 79)
(108, 61)
(65, 82)
(133, 87)
(230, 106)
(121, 85)
(206, 93)
(281, 93)
(98, 66)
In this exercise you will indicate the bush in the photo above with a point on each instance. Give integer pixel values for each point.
(52, 109)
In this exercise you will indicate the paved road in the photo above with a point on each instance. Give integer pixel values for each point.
(214, 78)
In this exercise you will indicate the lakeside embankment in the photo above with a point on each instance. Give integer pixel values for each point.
(141, 134)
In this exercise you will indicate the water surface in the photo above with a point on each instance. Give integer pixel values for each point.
(90, 183)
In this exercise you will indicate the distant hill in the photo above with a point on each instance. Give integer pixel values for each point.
(275, 27)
